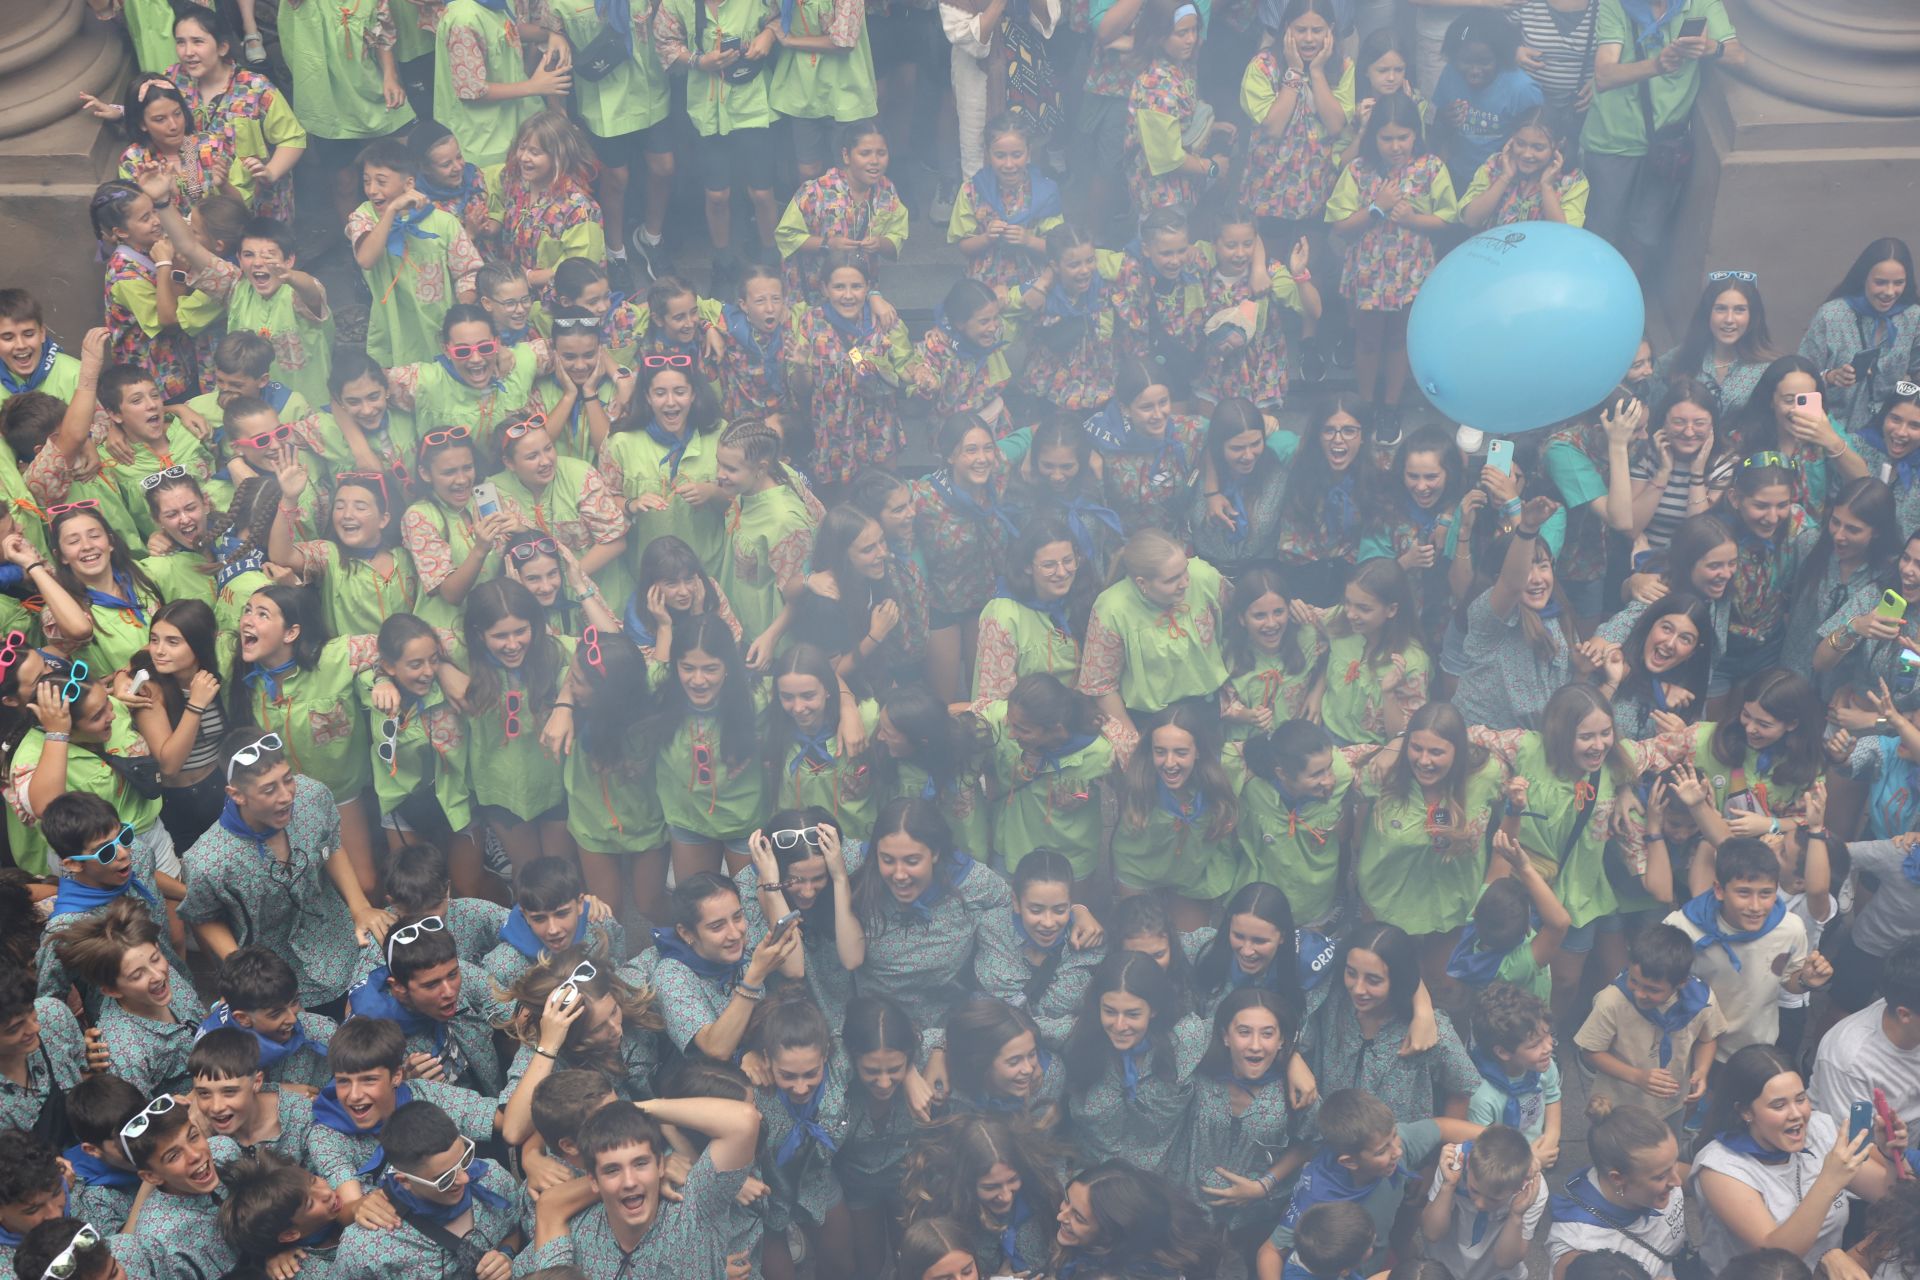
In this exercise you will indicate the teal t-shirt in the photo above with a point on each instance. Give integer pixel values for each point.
(1489, 1102)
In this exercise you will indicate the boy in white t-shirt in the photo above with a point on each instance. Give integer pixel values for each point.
(1876, 1048)
(1484, 1207)
(1747, 946)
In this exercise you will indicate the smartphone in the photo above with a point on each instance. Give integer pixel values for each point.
(783, 926)
(1693, 27)
(1863, 362)
(1859, 1120)
(1812, 402)
(1892, 605)
(486, 498)
(1500, 456)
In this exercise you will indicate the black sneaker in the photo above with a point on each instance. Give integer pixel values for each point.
(941, 210)
(642, 255)
(1313, 363)
(1386, 428)
(1343, 350)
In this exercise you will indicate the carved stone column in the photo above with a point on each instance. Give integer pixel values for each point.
(1803, 157)
(51, 155)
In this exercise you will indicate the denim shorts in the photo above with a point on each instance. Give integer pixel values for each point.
(736, 845)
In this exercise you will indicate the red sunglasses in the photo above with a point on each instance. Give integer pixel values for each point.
(467, 350)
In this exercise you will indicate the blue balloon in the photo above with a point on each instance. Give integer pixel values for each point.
(1524, 326)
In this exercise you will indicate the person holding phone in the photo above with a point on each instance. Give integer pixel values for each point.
(1787, 417)
(1862, 337)
(481, 89)
(1635, 145)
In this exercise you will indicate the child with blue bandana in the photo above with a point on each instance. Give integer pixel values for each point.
(1520, 1082)
(1331, 1240)
(104, 1181)
(1485, 1205)
(33, 1188)
(1650, 1034)
(1364, 1159)
(1747, 946)
(275, 1207)
(555, 914)
(259, 992)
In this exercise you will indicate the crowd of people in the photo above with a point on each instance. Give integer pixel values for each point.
(1211, 819)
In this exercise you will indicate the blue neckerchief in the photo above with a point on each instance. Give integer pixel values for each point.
(1763, 761)
(618, 15)
(1111, 431)
(930, 789)
(518, 934)
(741, 330)
(1268, 979)
(1659, 694)
(1171, 806)
(963, 503)
(1494, 1073)
(1688, 1002)
(232, 563)
(92, 1171)
(1053, 761)
(407, 226)
(471, 185)
(1130, 1063)
(1057, 612)
(1424, 519)
(18, 386)
(1325, 1180)
(1481, 1217)
(1882, 320)
(369, 1170)
(498, 6)
(1470, 965)
(130, 601)
(269, 677)
(805, 1125)
(513, 337)
(671, 947)
(1743, 1143)
(676, 446)
(1313, 954)
(964, 347)
(277, 393)
(958, 865)
(1232, 490)
(272, 1052)
(329, 1114)
(1703, 913)
(1010, 1234)
(432, 1210)
(1645, 26)
(365, 555)
(231, 820)
(813, 746)
(1337, 508)
(1026, 939)
(495, 385)
(75, 898)
(373, 998)
(1583, 1203)
(1905, 470)
(1043, 199)
(860, 329)
(1079, 512)
(1061, 307)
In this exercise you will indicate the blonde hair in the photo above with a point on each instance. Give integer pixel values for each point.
(561, 138)
(1147, 550)
(761, 444)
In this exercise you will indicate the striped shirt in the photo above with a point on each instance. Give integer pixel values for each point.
(1565, 42)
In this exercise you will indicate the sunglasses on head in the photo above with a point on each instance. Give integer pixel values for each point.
(532, 422)
(249, 755)
(446, 1180)
(513, 714)
(582, 972)
(525, 551)
(266, 439)
(794, 836)
(408, 934)
(1905, 388)
(10, 652)
(155, 479)
(66, 1263)
(667, 362)
(371, 479)
(107, 852)
(590, 645)
(468, 350)
(76, 684)
(1770, 459)
(586, 323)
(61, 508)
(447, 436)
(142, 1121)
(1744, 277)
